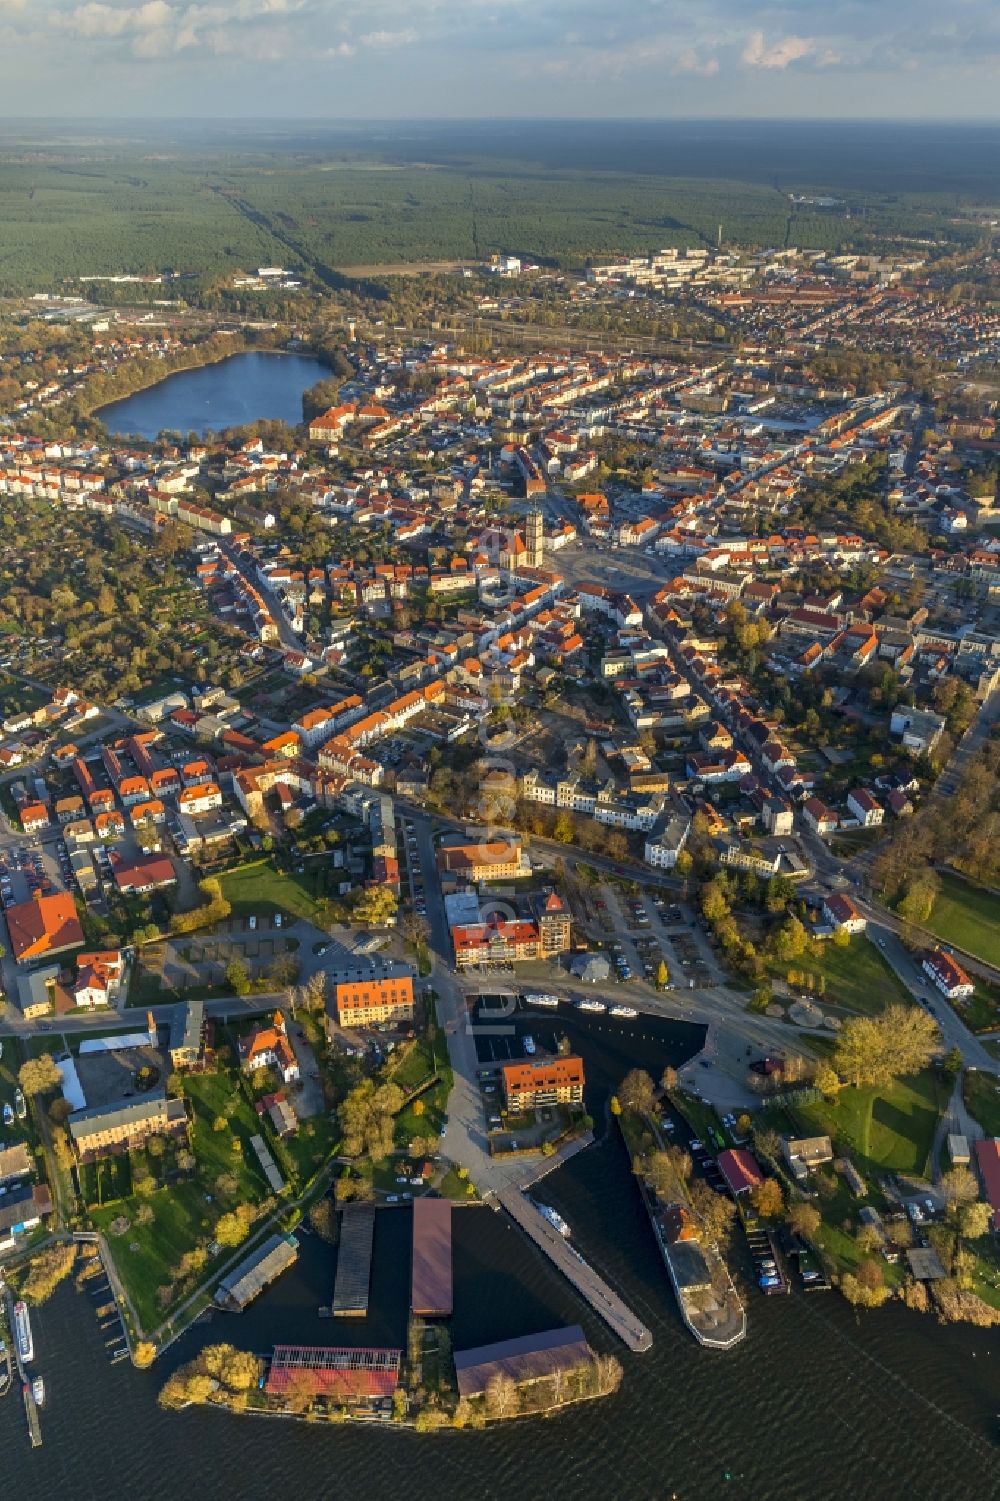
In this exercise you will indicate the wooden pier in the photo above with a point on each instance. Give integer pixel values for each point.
(617, 1315)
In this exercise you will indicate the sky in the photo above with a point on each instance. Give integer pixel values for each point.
(411, 59)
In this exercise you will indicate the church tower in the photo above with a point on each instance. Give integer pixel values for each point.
(534, 539)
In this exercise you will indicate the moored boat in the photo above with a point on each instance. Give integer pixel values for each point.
(22, 1332)
(554, 1218)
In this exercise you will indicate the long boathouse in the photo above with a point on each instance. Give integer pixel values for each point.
(352, 1282)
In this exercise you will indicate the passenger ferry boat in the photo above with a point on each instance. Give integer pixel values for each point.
(22, 1332)
(551, 1001)
(626, 1011)
(598, 1006)
(554, 1218)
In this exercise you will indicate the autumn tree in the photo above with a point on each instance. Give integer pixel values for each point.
(974, 1220)
(39, 1075)
(958, 1186)
(804, 1219)
(877, 1050)
(637, 1092)
(767, 1198)
(375, 906)
(716, 1212)
(501, 1396)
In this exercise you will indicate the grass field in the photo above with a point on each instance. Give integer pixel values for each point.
(968, 917)
(259, 887)
(889, 1130)
(857, 977)
(185, 1212)
(982, 1097)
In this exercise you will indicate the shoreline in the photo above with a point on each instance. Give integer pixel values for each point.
(95, 412)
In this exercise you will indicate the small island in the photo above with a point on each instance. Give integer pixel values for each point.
(426, 1387)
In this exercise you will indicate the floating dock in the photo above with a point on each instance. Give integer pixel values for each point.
(31, 1409)
(354, 1261)
(617, 1315)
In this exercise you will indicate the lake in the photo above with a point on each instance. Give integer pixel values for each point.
(818, 1403)
(242, 389)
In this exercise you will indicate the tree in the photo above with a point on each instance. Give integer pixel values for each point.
(232, 1229)
(668, 1079)
(826, 1081)
(767, 1198)
(501, 1396)
(877, 1050)
(39, 1075)
(791, 940)
(615, 1105)
(375, 906)
(237, 977)
(974, 1220)
(144, 1355)
(662, 975)
(869, 1238)
(637, 1092)
(922, 891)
(953, 1063)
(958, 1186)
(716, 1211)
(300, 1392)
(804, 1219)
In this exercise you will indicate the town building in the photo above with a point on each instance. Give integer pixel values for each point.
(531, 1083)
(375, 999)
(45, 925)
(129, 1123)
(267, 1046)
(843, 914)
(947, 974)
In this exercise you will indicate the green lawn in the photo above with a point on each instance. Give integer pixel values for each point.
(420, 1064)
(981, 1010)
(454, 1187)
(428, 1121)
(259, 887)
(147, 1255)
(185, 1211)
(889, 1130)
(968, 917)
(982, 1097)
(857, 977)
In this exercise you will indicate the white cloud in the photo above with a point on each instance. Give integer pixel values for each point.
(97, 20)
(779, 54)
(690, 62)
(388, 39)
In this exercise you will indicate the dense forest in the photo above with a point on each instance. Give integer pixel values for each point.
(321, 209)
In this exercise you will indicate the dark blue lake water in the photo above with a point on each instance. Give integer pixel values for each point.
(243, 388)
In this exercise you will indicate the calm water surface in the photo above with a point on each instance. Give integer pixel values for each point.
(243, 388)
(816, 1405)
